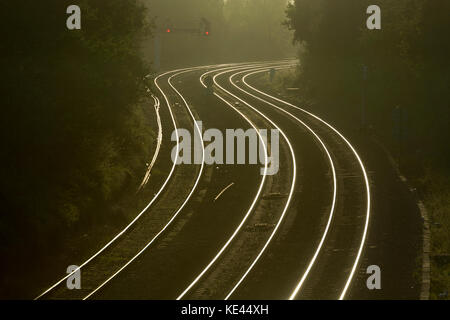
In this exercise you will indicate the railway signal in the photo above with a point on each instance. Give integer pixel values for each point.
(205, 27)
(168, 28)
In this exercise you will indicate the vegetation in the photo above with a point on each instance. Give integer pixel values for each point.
(74, 133)
(240, 31)
(76, 127)
(406, 90)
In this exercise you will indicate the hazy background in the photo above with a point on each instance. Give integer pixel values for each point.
(241, 30)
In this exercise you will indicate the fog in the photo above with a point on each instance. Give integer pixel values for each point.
(239, 30)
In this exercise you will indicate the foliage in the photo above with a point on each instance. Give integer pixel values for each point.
(407, 63)
(240, 30)
(73, 132)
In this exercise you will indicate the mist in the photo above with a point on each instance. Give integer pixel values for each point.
(239, 31)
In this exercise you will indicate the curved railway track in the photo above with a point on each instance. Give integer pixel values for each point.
(307, 249)
(59, 287)
(339, 245)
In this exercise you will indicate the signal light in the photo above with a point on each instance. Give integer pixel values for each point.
(205, 27)
(168, 30)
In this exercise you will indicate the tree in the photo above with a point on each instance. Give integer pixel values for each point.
(72, 127)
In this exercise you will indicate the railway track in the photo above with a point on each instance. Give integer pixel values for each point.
(292, 246)
(165, 206)
(255, 214)
(330, 273)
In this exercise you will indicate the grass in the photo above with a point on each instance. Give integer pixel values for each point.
(437, 202)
